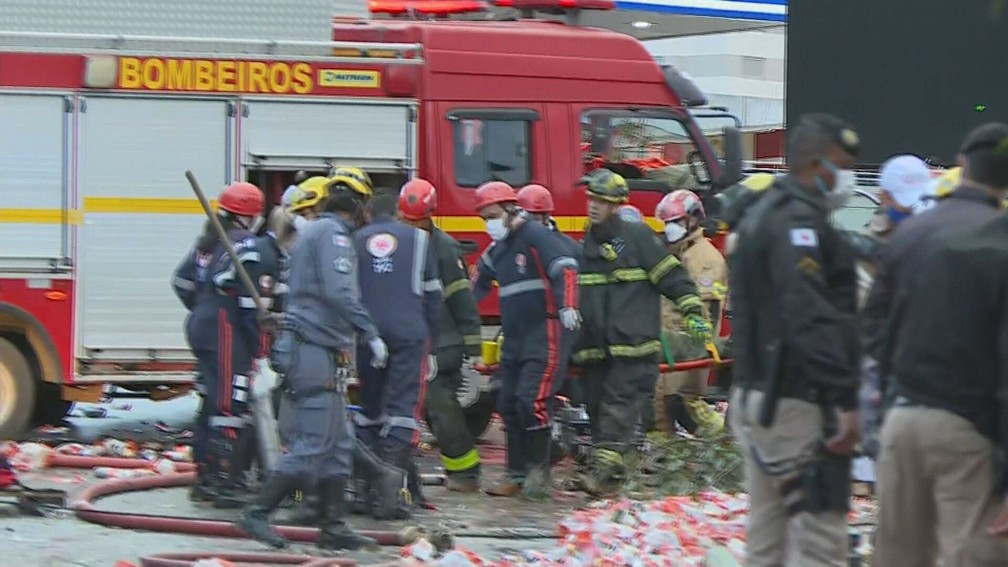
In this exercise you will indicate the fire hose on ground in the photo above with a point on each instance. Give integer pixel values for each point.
(84, 508)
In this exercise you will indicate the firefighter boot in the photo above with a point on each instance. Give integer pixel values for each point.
(254, 521)
(606, 471)
(232, 492)
(709, 422)
(538, 484)
(388, 495)
(466, 482)
(677, 412)
(306, 511)
(203, 490)
(517, 466)
(332, 509)
(401, 456)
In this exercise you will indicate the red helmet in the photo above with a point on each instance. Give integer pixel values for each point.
(242, 198)
(494, 193)
(535, 198)
(630, 213)
(417, 199)
(679, 205)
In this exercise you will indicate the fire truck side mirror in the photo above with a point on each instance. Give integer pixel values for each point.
(731, 169)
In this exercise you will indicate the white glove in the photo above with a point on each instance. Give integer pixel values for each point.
(379, 352)
(431, 367)
(264, 379)
(570, 318)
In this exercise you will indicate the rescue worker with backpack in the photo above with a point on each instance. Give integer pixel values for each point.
(459, 341)
(624, 272)
(678, 395)
(314, 353)
(538, 294)
(401, 289)
(224, 333)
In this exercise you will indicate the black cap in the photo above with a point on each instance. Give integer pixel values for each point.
(990, 135)
(842, 133)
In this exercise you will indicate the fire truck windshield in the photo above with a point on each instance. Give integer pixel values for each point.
(653, 149)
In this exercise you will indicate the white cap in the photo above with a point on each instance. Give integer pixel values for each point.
(907, 178)
(288, 197)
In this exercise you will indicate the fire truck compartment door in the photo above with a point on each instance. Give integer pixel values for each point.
(141, 217)
(313, 135)
(35, 216)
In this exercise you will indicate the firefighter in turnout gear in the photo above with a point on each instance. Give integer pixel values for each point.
(458, 345)
(794, 404)
(402, 291)
(539, 312)
(224, 333)
(678, 395)
(314, 354)
(624, 272)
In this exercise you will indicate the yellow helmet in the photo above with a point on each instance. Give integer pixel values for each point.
(759, 181)
(357, 174)
(354, 184)
(313, 191)
(947, 182)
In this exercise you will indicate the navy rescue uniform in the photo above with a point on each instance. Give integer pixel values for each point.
(224, 332)
(189, 282)
(794, 299)
(400, 288)
(537, 277)
(458, 337)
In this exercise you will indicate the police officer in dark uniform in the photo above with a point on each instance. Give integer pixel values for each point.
(458, 341)
(224, 332)
(625, 270)
(794, 296)
(539, 312)
(941, 473)
(401, 289)
(324, 317)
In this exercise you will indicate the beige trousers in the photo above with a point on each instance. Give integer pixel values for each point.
(935, 477)
(774, 539)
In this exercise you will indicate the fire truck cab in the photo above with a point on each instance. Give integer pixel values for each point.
(96, 132)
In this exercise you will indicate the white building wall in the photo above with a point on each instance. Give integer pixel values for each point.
(743, 71)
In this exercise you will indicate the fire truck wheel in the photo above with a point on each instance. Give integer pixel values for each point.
(50, 407)
(17, 391)
(479, 414)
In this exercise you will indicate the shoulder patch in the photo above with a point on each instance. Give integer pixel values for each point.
(341, 240)
(804, 237)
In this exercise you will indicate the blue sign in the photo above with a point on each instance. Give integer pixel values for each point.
(759, 10)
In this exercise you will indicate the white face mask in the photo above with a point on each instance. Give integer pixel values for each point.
(496, 229)
(300, 223)
(844, 184)
(674, 232)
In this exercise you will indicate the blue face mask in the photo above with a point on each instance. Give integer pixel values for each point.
(897, 217)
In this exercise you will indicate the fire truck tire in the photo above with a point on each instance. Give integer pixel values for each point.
(479, 414)
(50, 407)
(17, 391)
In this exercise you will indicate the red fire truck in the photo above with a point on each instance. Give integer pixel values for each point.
(96, 132)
